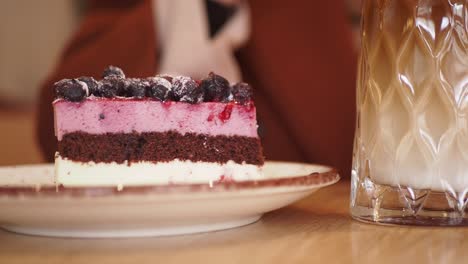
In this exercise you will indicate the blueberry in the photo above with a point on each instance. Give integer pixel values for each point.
(71, 89)
(216, 88)
(112, 87)
(136, 88)
(93, 85)
(159, 88)
(185, 89)
(241, 93)
(113, 71)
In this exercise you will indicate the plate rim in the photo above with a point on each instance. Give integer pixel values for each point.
(312, 180)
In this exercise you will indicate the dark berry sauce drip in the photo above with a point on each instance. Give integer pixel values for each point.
(114, 85)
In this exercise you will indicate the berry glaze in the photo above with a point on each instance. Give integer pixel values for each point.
(127, 115)
(225, 115)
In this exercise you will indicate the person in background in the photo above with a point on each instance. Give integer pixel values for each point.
(298, 56)
(354, 17)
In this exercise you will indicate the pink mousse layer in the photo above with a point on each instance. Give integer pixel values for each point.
(100, 115)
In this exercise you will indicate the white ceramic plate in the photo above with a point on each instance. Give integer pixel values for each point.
(31, 204)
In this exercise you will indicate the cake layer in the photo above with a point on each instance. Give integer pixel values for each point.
(155, 146)
(71, 173)
(126, 115)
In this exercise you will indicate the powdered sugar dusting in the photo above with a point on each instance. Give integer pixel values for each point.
(184, 80)
(187, 90)
(84, 86)
(160, 81)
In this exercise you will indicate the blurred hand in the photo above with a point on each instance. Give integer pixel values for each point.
(187, 47)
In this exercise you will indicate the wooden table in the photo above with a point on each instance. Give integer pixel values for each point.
(317, 229)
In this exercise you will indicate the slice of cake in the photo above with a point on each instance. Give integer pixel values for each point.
(126, 131)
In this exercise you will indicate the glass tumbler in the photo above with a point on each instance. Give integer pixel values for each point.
(410, 160)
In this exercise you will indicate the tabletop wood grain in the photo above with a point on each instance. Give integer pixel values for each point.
(317, 229)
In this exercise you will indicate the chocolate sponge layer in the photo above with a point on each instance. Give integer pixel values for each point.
(119, 147)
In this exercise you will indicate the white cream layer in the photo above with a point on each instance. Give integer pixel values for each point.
(72, 173)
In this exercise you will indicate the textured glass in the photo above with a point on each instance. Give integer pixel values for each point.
(410, 161)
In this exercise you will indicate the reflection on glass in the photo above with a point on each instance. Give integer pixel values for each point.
(411, 146)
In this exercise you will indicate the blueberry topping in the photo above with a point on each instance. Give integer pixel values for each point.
(136, 88)
(159, 88)
(113, 71)
(216, 88)
(102, 116)
(112, 87)
(164, 88)
(159, 92)
(185, 89)
(93, 85)
(71, 89)
(241, 93)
